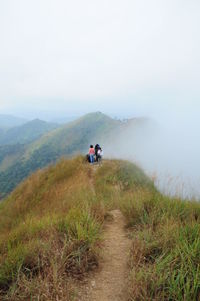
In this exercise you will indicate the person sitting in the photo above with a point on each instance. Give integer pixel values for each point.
(91, 154)
(97, 149)
(99, 155)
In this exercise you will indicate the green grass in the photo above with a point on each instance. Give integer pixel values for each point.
(165, 256)
(51, 225)
(52, 213)
(51, 232)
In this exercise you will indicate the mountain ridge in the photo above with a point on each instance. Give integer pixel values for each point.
(66, 140)
(59, 225)
(26, 133)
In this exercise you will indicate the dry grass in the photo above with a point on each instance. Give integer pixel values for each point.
(165, 254)
(50, 230)
(50, 233)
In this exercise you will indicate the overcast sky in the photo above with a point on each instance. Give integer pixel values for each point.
(123, 57)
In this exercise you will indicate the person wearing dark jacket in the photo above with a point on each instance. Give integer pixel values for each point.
(97, 148)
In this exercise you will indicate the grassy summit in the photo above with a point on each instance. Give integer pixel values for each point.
(51, 232)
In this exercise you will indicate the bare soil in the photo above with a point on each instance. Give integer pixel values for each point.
(109, 282)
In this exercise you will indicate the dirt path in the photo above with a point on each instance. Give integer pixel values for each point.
(109, 282)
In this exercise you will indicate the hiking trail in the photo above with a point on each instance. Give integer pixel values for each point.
(109, 282)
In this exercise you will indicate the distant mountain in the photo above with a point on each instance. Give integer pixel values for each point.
(8, 121)
(25, 133)
(75, 136)
(66, 140)
(9, 154)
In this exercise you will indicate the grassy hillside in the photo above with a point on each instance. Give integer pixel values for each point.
(25, 133)
(51, 227)
(67, 140)
(77, 135)
(165, 255)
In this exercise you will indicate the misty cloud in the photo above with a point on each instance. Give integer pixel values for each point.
(168, 153)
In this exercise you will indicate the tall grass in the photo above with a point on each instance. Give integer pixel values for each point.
(51, 227)
(165, 255)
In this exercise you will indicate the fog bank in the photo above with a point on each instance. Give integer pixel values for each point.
(167, 149)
